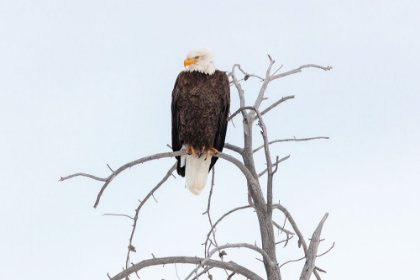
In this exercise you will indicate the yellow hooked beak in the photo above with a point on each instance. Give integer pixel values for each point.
(189, 61)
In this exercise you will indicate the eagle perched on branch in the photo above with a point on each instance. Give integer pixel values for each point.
(200, 108)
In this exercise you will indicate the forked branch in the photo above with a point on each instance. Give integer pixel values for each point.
(309, 266)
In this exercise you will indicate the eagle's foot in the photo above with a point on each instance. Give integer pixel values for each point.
(210, 150)
(190, 150)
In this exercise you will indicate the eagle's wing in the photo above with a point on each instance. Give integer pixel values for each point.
(176, 126)
(219, 141)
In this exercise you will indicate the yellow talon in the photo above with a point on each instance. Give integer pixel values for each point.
(211, 150)
(190, 150)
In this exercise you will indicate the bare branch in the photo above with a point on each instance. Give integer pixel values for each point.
(297, 70)
(84, 175)
(274, 164)
(285, 240)
(248, 75)
(240, 245)
(130, 241)
(208, 206)
(332, 246)
(268, 161)
(283, 99)
(302, 258)
(240, 110)
(121, 215)
(218, 221)
(261, 93)
(231, 266)
(111, 177)
(313, 248)
(281, 66)
(210, 194)
(290, 140)
(110, 168)
(267, 154)
(297, 260)
(176, 271)
(235, 245)
(288, 233)
(238, 87)
(233, 148)
(205, 270)
(292, 222)
(317, 275)
(251, 180)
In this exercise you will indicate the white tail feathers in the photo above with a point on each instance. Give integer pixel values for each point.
(196, 171)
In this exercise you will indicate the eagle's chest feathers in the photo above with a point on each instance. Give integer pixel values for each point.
(199, 107)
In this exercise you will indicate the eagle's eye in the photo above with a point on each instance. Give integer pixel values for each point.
(197, 57)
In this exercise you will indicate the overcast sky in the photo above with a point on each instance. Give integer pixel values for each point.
(88, 83)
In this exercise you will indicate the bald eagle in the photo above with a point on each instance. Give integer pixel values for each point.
(200, 107)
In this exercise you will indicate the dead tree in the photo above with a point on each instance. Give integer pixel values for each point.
(262, 205)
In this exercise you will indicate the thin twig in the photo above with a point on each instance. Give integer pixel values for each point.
(281, 66)
(205, 270)
(238, 88)
(285, 240)
(249, 75)
(218, 221)
(290, 140)
(241, 110)
(83, 175)
(176, 271)
(299, 69)
(288, 233)
(326, 251)
(209, 204)
(274, 164)
(320, 270)
(283, 99)
(122, 215)
(301, 240)
(302, 258)
(263, 88)
(109, 167)
(136, 216)
(290, 261)
(235, 245)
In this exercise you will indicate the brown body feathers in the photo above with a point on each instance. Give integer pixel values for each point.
(200, 107)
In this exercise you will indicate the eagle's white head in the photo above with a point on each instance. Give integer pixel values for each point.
(200, 60)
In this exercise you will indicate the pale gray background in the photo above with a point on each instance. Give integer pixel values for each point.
(86, 83)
